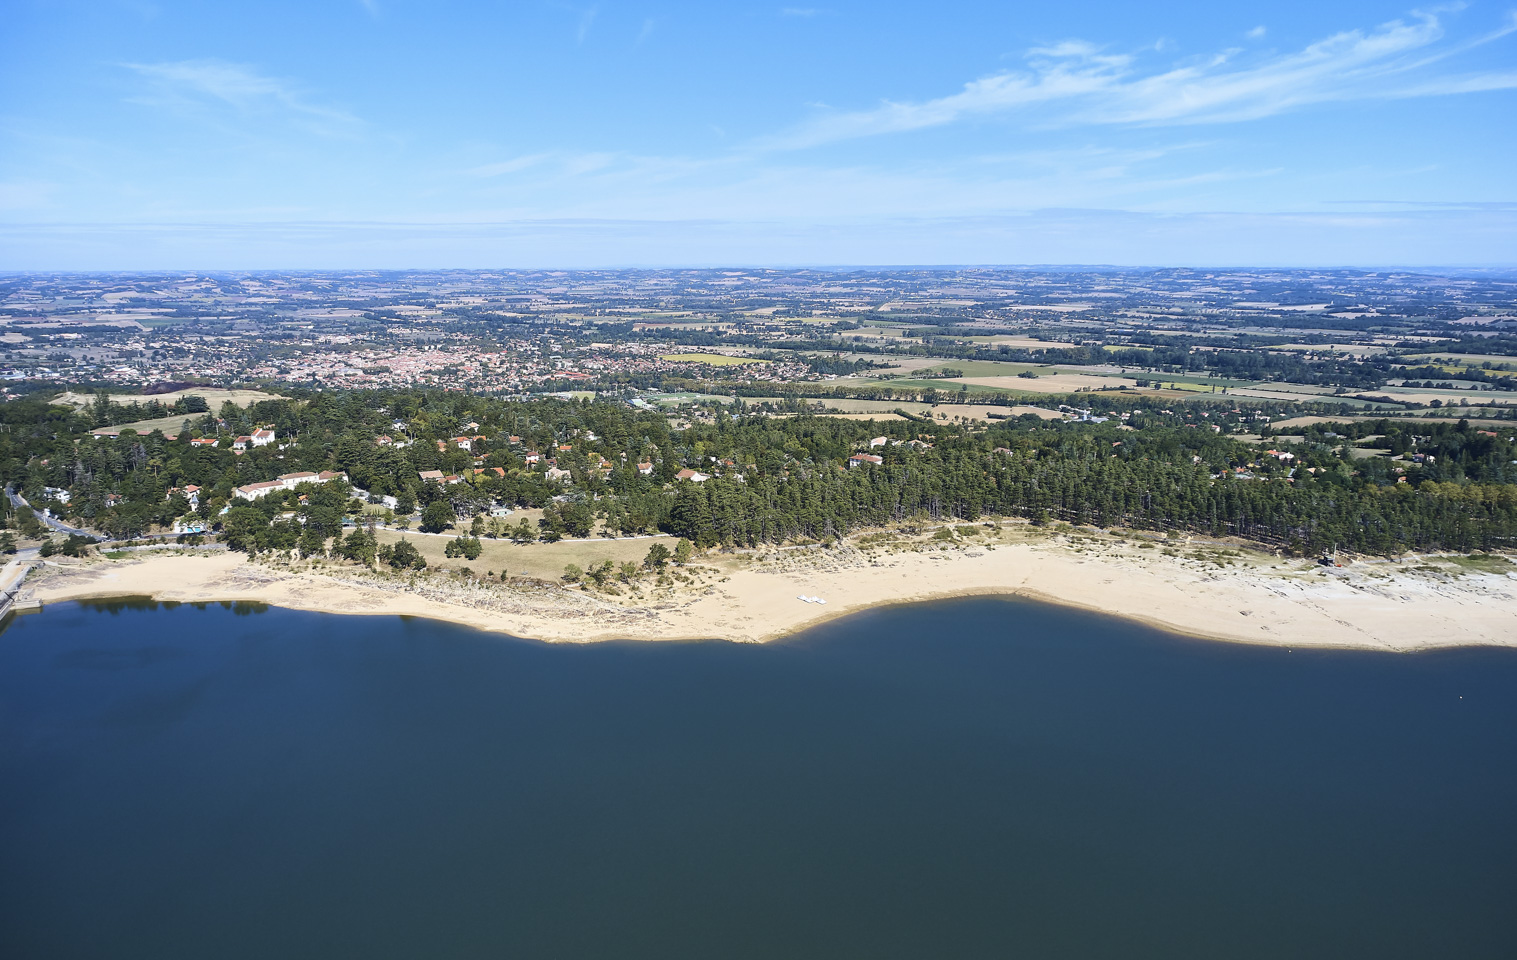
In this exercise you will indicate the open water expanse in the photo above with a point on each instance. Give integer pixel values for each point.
(975, 778)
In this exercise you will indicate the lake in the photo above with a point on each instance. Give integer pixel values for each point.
(973, 778)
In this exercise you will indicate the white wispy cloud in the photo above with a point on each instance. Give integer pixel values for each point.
(218, 82)
(1088, 85)
(627, 185)
(508, 166)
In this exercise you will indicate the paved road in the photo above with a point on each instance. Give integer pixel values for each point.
(18, 501)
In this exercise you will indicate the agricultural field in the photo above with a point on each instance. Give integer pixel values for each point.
(1349, 349)
(875, 406)
(1048, 383)
(991, 368)
(983, 411)
(886, 410)
(895, 365)
(169, 425)
(215, 396)
(1459, 361)
(711, 359)
(1017, 343)
(1483, 398)
(952, 386)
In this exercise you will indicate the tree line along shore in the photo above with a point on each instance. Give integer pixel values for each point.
(548, 469)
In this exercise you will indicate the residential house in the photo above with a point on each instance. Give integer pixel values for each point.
(191, 493)
(860, 459)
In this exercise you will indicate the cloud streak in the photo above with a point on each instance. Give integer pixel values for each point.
(1074, 82)
(219, 83)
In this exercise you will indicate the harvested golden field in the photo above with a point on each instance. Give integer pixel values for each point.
(983, 411)
(215, 396)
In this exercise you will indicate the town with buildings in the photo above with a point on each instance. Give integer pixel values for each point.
(505, 333)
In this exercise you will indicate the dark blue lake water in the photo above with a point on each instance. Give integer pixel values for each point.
(976, 778)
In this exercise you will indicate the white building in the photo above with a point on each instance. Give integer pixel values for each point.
(288, 481)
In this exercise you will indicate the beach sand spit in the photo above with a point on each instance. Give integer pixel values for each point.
(1225, 595)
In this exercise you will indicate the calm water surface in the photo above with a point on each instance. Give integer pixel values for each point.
(978, 778)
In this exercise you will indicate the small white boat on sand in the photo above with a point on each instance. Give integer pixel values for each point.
(807, 599)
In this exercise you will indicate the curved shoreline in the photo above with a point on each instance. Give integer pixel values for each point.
(822, 618)
(1255, 599)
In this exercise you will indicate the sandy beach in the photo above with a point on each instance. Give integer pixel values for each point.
(1205, 590)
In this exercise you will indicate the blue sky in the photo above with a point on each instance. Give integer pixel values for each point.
(392, 133)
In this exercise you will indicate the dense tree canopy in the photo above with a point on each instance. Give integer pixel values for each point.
(771, 479)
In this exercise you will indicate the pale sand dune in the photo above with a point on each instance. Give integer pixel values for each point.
(1257, 599)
